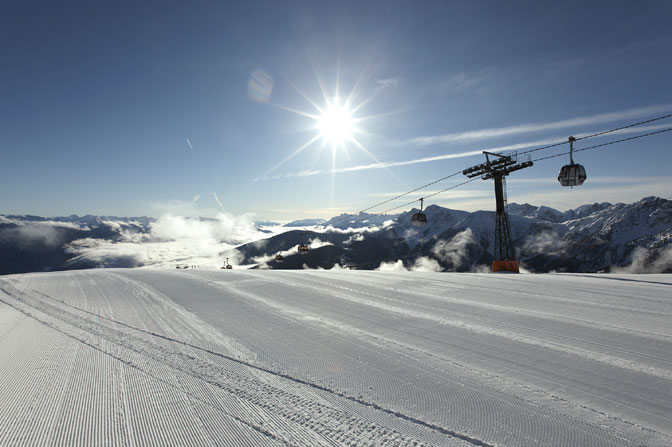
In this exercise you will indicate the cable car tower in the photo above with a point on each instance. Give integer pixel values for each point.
(497, 169)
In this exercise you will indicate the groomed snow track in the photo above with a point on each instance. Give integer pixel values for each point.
(334, 358)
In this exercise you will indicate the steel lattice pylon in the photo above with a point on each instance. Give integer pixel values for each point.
(504, 252)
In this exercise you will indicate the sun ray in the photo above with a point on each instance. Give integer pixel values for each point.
(337, 91)
(304, 95)
(372, 135)
(292, 155)
(374, 158)
(366, 101)
(379, 115)
(353, 91)
(323, 89)
(298, 112)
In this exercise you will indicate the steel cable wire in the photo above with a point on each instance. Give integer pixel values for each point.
(519, 153)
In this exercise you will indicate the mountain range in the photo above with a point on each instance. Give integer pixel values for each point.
(591, 238)
(599, 237)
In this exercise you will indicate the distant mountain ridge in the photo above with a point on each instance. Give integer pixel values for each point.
(590, 238)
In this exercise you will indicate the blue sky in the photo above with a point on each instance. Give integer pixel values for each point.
(143, 108)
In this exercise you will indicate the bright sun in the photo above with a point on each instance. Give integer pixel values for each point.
(336, 124)
(335, 120)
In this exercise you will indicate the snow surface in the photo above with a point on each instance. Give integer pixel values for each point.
(331, 358)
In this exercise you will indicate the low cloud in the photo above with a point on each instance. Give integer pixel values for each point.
(352, 230)
(169, 240)
(354, 238)
(47, 233)
(422, 264)
(547, 242)
(104, 253)
(264, 259)
(397, 266)
(425, 264)
(317, 243)
(644, 262)
(454, 251)
(223, 228)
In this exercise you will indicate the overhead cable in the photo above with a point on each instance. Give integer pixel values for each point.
(519, 153)
(432, 195)
(605, 144)
(399, 196)
(598, 134)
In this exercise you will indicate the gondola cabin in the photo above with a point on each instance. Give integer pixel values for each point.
(572, 174)
(419, 219)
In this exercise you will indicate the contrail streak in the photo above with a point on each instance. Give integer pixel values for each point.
(218, 202)
(391, 164)
(482, 134)
(189, 143)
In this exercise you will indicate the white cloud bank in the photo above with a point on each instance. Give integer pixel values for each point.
(642, 262)
(171, 240)
(422, 264)
(454, 250)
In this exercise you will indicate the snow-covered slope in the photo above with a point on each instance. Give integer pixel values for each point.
(334, 358)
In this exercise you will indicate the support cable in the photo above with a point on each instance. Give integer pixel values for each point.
(400, 196)
(432, 195)
(604, 144)
(598, 134)
(519, 153)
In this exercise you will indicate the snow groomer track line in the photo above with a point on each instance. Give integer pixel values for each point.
(298, 409)
(137, 357)
(18, 295)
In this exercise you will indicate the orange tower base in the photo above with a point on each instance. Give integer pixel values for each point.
(505, 266)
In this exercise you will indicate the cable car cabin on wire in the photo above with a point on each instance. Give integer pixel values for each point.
(419, 219)
(572, 174)
(303, 247)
